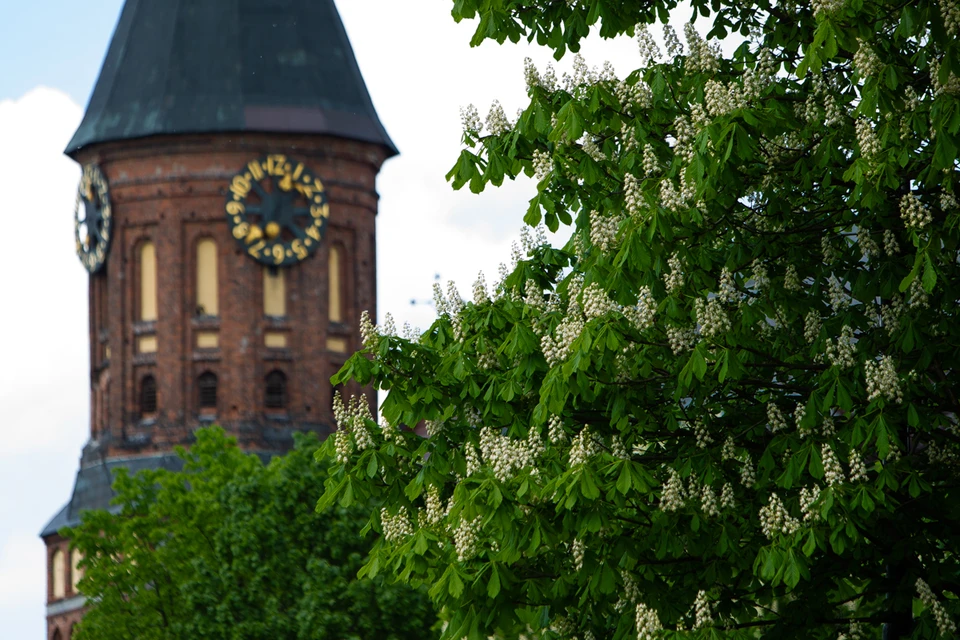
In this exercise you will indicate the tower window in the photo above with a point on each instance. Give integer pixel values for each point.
(208, 303)
(148, 282)
(207, 390)
(76, 573)
(276, 390)
(148, 396)
(336, 299)
(58, 575)
(274, 292)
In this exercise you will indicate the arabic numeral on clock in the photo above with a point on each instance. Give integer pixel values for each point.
(235, 208)
(277, 253)
(241, 230)
(254, 250)
(299, 249)
(240, 187)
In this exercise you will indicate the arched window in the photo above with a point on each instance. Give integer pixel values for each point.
(58, 574)
(148, 396)
(276, 390)
(76, 573)
(148, 282)
(274, 292)
(56, 635)
(336, 286)
(208, 300)
(207, 390)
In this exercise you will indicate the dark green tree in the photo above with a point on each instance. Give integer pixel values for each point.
(230, 547)
(726, 408)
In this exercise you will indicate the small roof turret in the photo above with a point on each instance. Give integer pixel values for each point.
(211, 66)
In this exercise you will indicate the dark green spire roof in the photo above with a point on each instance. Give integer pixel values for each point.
(202, 66)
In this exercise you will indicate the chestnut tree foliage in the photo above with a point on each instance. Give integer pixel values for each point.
(229, 547)
(727, 407)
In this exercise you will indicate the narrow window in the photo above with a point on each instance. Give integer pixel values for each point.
(56, 635)
(148, 396)
(58, 575)
(274, 292)
(208, 302)
(336, 299)
(148, 282)
(207, 390)
(276, 390)
(76, 573)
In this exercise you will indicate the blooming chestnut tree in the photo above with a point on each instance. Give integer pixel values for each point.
(727, 408)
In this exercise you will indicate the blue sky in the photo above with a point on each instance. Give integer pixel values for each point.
(50, 54)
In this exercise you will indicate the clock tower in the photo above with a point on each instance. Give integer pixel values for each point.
(226, 216)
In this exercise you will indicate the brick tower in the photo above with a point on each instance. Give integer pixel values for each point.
(226, 215)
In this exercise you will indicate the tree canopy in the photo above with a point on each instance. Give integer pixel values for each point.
(231, 548)
(726, 407)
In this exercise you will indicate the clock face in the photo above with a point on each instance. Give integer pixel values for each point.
(92, 218)
(277, 210)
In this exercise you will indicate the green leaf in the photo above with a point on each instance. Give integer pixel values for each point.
(493, 586)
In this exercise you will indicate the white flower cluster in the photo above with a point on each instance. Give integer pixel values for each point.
(854, 632)
(728, 287)
(712, 317)
(858, 470)
(841, 353)
(702, 611)
(890, 244)
(472, 458)
(395, 528)
(826, 248)
(837, 291)
(368, 331)
(708, 502)
(533, 295)
(799, 413)
(531, 76)
(578, 549)
(702, 434)
(722, 99)
(808, 502)
(865, 60)
(774, 518)
(759, 274)
(916, 214)
(756, 80)
(542, 164)
(351, 420)
(827, 7)
(582, 448)
(589, 145)
(727, 500)
(596, 302)
(632, 198)
(507, 456)
(480, 294)
(870, 147)
(650, 163)
(672, 42)
(435, 511)
(649, 51)
(911, 101)
(465, 538)
(685, 137)
(832, 471)
(729, 449)
(603, 231)
(642, 315)
(674, 279)
(470, 120)
(828, 429)
(882, 380)
(632, 96)
(555, 431)
(671, 498)
(945, 625)
(703, 57)
(918, 298)
(950, 11)
(748, 475)
(948, 201)
(648, 623)
(952, 85)
(811, 326)
(497, 122)
(343, 445)
(680, 339)
(775, 419)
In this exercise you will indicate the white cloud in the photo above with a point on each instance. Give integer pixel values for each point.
(44, 381)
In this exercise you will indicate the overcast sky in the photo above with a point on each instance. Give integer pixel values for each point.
(419, 69)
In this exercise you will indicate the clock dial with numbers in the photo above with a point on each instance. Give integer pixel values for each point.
(93, 219)
(277, 210)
